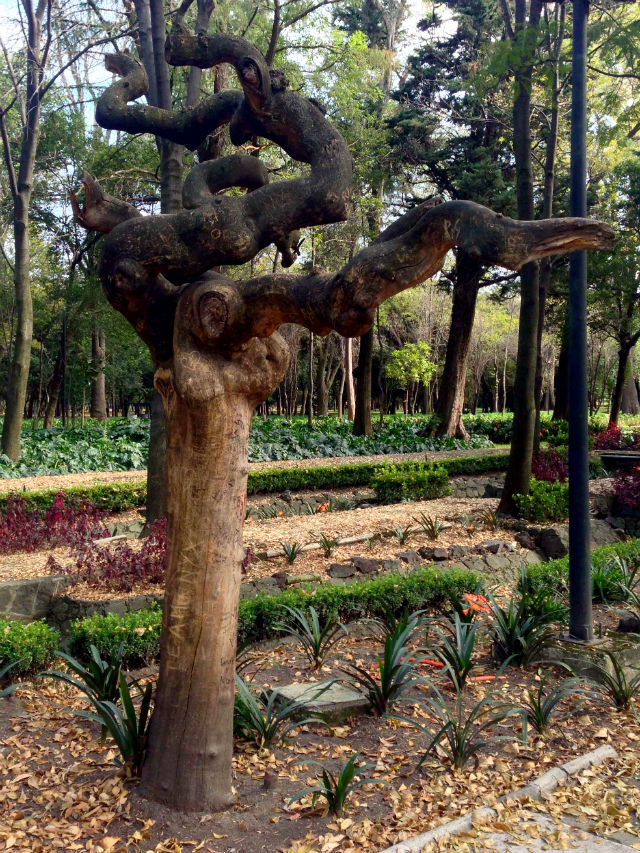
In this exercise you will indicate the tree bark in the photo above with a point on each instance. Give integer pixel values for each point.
(54, 384)
(630, 402)
(98, 389)
(348, 377)
(454, 376)
(362, 416)
(561, 407)
(621, 378)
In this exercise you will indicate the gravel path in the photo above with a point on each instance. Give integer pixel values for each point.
(62, 481)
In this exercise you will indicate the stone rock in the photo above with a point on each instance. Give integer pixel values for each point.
(426, 552)
(615, 521)
(268, 586)
(497, 563)
(602, 533)
(286, 496)
(629, 624)
(341, 570)
(440, 554)
(390, 566)
(31, 598)
(410, 557)
(458, 551)
(531, 557)
(327, 700)
(553, 541)
(366, 565)
(281, 578)
(497, 546)
(525, 539)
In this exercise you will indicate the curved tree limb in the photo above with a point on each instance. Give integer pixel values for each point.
(187, 127)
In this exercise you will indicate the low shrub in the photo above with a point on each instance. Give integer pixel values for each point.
(138, 632)
(545, 501)
(552, 577)
(62, 523)
(110, 497)
(424, 482)
(260, 618)
(549, 466)
(612, 438)
(27, 647)
(120, 567)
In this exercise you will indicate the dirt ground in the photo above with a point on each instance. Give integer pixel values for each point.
(60, 790)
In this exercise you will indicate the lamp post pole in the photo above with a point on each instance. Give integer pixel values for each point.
(580, 613)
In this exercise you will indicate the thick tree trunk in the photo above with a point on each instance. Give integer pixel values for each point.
(630, 402)
(98, 389)
(156, 463)
(191, 741)
(452, 384)
(362, 419)
(21, 362)
(544, 279)
(621, 377)
(561, 407)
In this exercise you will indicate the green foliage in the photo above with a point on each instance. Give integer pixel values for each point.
(99, 680)
(5, 675)
(292, 550)
(113, 497)
(261, 718)
(429, 525)
(545, 501)
(138, 632)
(128, 728)
(522, 629)
(317, 637)
(424, 482)
(541, 705)
(26, 648)
(402, 533)
(613, 579)
(396, 668)
(410, 364)
(552, 577)
(335, 789)
(460, 733)
(457, 648)
(327, 544)
(614, 683)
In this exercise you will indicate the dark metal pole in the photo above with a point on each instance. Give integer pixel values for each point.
(580, 615)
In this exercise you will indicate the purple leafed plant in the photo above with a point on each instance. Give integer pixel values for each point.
(548, 465)
(63, 523)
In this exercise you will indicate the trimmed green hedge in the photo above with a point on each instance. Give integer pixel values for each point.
(113, 497)
(34, 645)
(258, 617)
(553, 576)
(116, 497)
(426, 481)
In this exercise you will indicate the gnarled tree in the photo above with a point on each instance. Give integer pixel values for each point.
(217, 352)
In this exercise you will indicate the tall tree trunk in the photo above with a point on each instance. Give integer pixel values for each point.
(524, 407)
(454, 376)
(21, 362)
(362, 419)
(54, 385)
(561, 406)
(98, 408)
(348, 375)
(630, 402)
(322, 390)
(621, 377)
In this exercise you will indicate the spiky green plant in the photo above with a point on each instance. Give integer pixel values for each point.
(541, 705)
(317, 637)
(457, 648)
(429, 525)
(261, 717)
(291, 550)
(335, 789)
(327, 543)
(615, 683)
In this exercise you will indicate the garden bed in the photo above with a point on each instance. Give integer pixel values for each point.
(61, 790)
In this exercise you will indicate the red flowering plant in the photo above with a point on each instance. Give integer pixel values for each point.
(549, 466)
(612, 438)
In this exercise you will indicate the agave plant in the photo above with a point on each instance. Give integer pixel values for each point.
(541, 705)
(489, 518)
(99, 679)
(4, 674)
(396, 668)
(457, 648)
(335, 789)
(261, 717)
(128, 728)
(317, 637)
(292, 550)
(402, 533)
(614, 683)
(327, 543)
(429, 525)
(461, 734)
(521, 630)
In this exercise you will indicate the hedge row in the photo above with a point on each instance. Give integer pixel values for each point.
(258, 617)
(116, 497)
